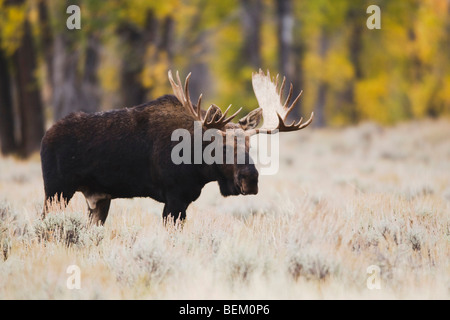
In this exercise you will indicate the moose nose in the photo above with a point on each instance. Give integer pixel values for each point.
(247, 188)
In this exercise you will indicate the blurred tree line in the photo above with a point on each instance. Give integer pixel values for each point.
(121, 55)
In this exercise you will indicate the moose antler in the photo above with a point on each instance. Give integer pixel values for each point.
(214, 118)
(221, 121)
(274, 111)
(183, 95)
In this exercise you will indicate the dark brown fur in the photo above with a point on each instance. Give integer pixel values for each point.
(126, 153)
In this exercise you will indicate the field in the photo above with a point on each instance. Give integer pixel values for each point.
(349, 210)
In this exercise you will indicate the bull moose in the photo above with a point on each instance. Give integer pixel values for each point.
(126, 153)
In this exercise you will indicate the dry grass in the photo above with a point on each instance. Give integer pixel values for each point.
(343, 200)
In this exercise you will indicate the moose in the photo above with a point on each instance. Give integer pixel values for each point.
(126, 153)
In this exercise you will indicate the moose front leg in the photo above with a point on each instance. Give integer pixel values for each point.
(175, 211)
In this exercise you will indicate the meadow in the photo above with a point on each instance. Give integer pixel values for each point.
(343, 200)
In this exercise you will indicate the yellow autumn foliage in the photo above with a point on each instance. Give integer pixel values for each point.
(155, 70)
(370, 97)
(398, 72)
(11, 26)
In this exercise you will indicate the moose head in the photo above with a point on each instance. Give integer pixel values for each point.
(240, 175)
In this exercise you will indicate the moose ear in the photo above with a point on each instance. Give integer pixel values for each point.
(213, 113)
(251, 120)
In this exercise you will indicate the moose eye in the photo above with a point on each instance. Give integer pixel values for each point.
(243, 176)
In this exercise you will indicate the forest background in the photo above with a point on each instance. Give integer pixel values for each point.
(121, 54)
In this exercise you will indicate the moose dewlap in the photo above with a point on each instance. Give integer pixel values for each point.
(128, 152)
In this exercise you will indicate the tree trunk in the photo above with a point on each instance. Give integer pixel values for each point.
(90, 90)
(288, 54)
(251, 23)
(168, 29)
(29, 95)
(75, 89)
(135, 43)
(319, 107)
(285, 38)
(347, 99)
(7, 141)
(201, 81)
(46, 39)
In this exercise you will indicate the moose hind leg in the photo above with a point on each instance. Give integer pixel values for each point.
(98, 208)
(63, 197)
